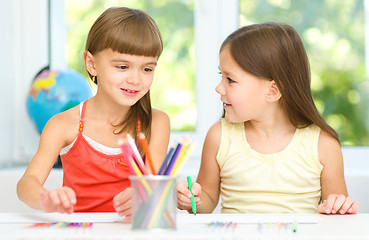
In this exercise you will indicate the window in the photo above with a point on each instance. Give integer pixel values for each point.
(333, 34)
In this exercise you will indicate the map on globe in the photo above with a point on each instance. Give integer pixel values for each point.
(53, 92)
(43, 82)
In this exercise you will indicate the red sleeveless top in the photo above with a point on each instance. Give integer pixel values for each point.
(94, 176)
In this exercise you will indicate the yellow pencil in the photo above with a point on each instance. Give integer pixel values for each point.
(183, 160)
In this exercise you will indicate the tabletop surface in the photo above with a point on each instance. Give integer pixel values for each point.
(201, 226)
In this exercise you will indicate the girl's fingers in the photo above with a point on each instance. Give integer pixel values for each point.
(71, 195)
(122, 202)
(125, 210)
(184, 205)
(184, 199)
(338, 203)
(123, 198)
(329, 204)
(354, 207)
(182, 189)
(54, 197)
(183, 202)
(64, 200)
(59, 200)
(346, 205)
(196, 189)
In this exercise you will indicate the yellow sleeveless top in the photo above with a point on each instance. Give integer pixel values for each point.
(283, 182)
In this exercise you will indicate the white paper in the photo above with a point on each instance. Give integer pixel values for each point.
(59, 217)
(247, 218)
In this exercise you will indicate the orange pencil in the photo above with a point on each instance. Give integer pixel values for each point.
(145, 147)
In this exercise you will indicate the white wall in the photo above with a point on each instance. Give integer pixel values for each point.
(7, 88)
(24, 53)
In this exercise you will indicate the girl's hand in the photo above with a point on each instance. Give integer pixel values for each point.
(60, 200)
(338, 204)
(184, 195)
(122, 203)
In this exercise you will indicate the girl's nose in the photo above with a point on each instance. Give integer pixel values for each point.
(219, 89)
(134, 77)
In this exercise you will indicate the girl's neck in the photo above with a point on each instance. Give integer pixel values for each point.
(270, 126)
(270, 135)
(113, 113)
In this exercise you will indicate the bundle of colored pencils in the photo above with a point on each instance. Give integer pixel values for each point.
(175, 159)
(152, 193)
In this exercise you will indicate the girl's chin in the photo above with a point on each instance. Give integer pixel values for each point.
(231, 119)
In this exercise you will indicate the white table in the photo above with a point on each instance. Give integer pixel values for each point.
(249, 226)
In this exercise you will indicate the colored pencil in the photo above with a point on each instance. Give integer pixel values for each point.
(182, 161)
(164, 165)
(173, 159)
(193, 204)
(136, 154)
(145, 147)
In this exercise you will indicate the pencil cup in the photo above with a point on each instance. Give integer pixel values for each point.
(154, 202)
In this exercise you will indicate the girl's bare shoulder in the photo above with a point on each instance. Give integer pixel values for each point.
(159, 115)
(215, 131)
(329, 149)
(159, 119)
(69, 116)
(212, 139)
(65, 125)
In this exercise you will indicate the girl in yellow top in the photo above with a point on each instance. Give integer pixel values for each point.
(271, 152)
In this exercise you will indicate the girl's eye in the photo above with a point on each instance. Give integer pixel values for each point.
(228, 78)
(147, 69)
(122, 67)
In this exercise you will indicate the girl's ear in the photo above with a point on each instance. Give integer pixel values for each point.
(89, 62)
(273, 93)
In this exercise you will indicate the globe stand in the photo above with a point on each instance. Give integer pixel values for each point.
(58, 163)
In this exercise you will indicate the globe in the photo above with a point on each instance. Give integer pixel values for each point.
(53, 92)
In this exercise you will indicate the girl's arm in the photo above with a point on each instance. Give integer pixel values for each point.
(206, 190)
(30, 187)
(334, 192)
(158, 146)
(159, 141)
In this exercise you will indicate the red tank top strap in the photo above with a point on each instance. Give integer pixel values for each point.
(81, 121)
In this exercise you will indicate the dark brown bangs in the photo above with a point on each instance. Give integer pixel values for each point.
(135, 37)
(129, 31)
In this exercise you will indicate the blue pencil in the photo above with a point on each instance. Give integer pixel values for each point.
(165, 163)
(173, 159)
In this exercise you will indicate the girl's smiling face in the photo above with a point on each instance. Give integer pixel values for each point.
(243, 94)
(124, 77)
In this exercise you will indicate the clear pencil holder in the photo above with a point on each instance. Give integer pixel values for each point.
(154, 202)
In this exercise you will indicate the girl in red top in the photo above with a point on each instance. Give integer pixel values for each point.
(122, 50)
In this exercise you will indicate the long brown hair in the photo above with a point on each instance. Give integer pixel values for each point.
(128, 31)
(276, 52)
